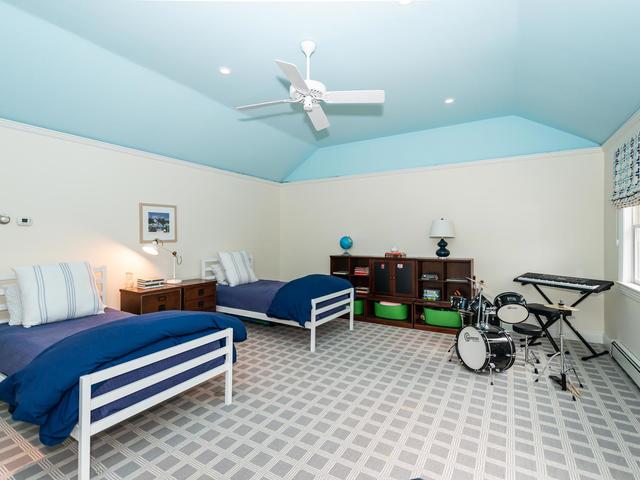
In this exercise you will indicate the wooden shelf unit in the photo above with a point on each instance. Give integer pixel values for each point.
(399, 280)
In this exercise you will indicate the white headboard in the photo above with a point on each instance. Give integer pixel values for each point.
(101, 282)
(206, 272)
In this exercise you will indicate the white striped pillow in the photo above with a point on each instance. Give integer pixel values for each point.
(61, 291)
(237, 268)
(14, 305)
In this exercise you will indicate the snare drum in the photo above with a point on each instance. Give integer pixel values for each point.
(512, 307)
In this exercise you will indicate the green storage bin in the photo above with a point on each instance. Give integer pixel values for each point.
(442, 318)
(391, 312)
(358, 307)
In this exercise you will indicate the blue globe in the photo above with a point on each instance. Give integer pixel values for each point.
(346, 242)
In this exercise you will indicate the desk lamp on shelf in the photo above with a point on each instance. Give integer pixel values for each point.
(154, 249)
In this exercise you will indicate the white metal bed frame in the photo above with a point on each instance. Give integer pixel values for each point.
(85, 428)
(316, 312)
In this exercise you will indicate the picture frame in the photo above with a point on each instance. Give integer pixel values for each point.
(158, 222)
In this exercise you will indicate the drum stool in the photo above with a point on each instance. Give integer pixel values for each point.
(529, 331)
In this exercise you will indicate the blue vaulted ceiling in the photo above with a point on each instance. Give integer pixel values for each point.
(144, 74)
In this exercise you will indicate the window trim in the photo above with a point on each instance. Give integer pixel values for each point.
(635, 263)
(630, 290)
(628, 249)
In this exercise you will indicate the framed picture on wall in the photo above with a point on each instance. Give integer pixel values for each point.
(158, 222)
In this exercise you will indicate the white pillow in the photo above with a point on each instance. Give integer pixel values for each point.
(237, 268)
(14, 304)
(61, 291)
(218, 272)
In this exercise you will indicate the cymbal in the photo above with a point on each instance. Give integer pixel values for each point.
(563, 307)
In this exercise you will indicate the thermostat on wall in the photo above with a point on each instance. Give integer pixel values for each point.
(24, 221)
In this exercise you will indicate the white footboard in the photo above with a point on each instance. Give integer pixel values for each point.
(343, 307)
(86, 428)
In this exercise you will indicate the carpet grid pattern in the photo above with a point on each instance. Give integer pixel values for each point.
(376, 403)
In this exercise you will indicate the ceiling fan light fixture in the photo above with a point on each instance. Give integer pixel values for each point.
(311, 93)
(224, 70)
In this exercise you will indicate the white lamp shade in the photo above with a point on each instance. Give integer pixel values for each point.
(151, 249)
(442, 228)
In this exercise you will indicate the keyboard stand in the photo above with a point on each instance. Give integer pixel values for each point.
(563, 317)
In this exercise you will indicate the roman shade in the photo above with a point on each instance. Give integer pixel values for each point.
(626, 173)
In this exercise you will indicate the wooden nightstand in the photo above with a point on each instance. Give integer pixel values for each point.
(193, 294)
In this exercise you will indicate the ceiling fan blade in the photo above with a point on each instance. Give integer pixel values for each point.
(293, 74)
(354, 96)
(318, 117)
(262, 104)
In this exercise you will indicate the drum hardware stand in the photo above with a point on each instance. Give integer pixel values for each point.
(563, 379)
(452, 351)
(527, 353)
(563, 318)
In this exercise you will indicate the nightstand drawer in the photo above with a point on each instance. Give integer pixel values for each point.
(199, 292)
(206, 304)
(161, 301)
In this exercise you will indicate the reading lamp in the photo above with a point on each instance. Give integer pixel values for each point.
(442, 229)
(153, 249)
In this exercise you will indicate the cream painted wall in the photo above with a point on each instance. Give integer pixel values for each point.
(511, 215)
(542, 213)
(622, 312)
(84, 203)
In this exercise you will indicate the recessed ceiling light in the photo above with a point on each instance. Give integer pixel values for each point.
(224, 70)
(449, 101)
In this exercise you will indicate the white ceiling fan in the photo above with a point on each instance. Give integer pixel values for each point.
(311, 92)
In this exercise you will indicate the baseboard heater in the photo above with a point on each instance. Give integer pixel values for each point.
(627, 360)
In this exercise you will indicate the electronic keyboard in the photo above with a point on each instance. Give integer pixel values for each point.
(583, 285)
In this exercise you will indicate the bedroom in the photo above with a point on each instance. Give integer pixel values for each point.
(502, 116)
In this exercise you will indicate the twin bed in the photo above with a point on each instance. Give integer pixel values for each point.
(307, 302)
(79, 377)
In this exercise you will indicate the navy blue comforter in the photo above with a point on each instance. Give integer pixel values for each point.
(45, 392)
(293, 300)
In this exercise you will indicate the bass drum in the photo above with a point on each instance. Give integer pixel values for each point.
(512, 307)
(477, 349)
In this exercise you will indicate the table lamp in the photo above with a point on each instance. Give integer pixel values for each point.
(442, 228)
(153, 249)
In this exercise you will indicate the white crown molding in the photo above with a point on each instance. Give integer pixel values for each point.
(68, 137)
(449, 166)
(618, 134)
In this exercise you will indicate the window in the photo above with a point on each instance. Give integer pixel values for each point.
(630, 271)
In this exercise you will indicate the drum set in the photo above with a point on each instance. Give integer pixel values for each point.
(482, 344)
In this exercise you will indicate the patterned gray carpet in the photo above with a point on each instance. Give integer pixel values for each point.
(376, 403)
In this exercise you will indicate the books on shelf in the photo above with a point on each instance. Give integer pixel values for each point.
(395, 254)
(431, 295)
(361, 271)
(429, 276)
(150, 283)
(340, 272)
(362, 290)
